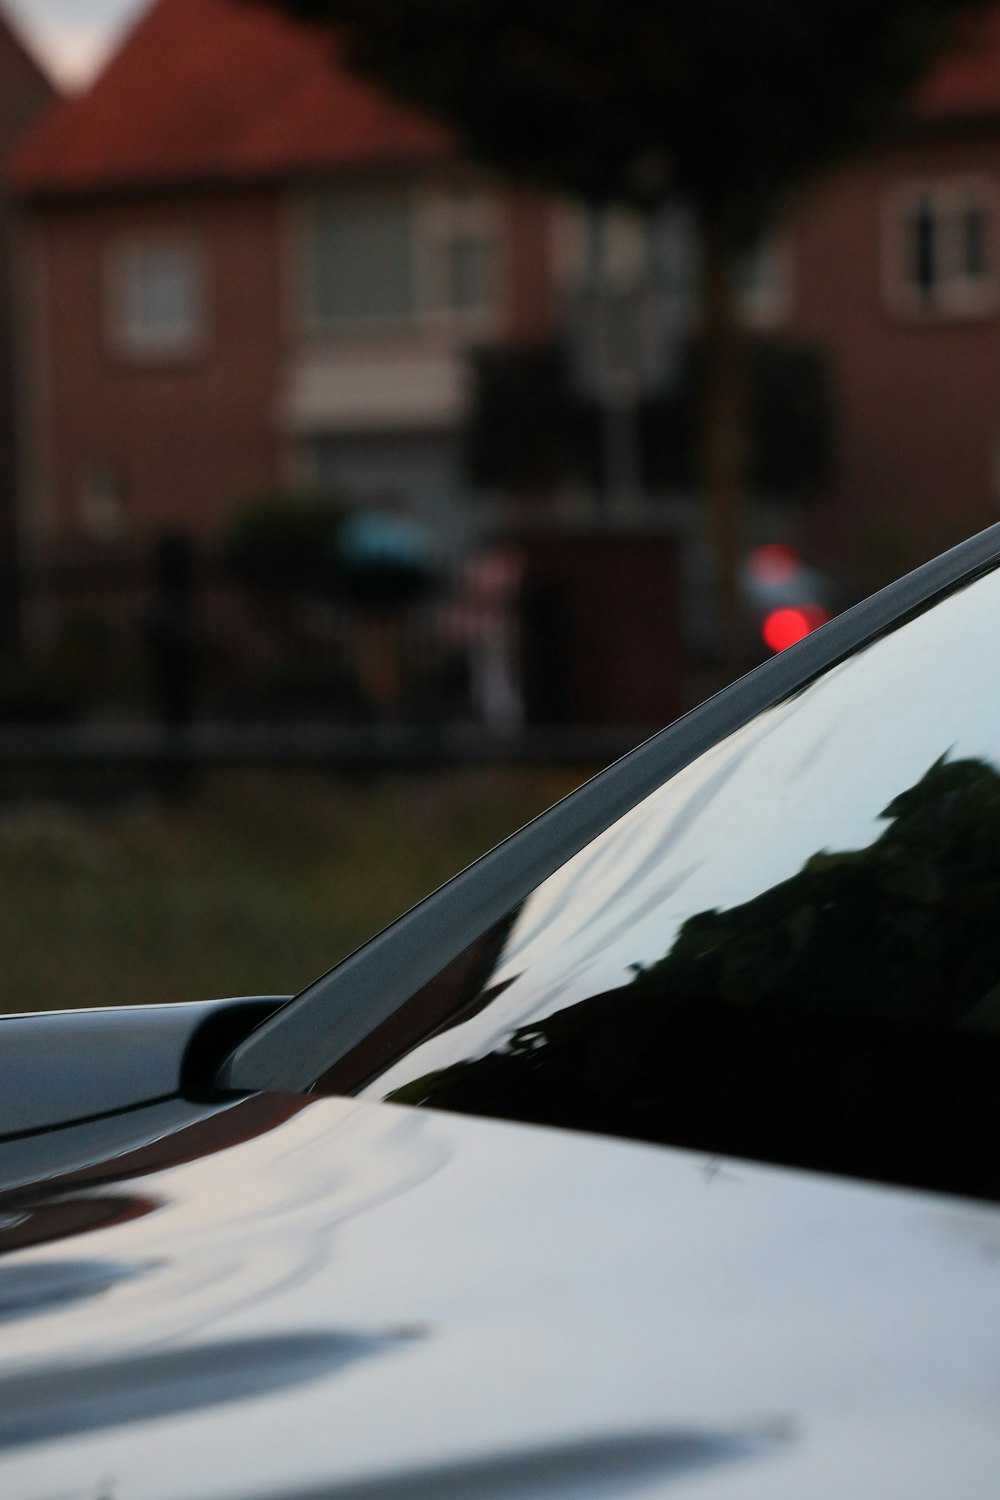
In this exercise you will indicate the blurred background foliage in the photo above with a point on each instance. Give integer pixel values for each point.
(283, 542)
(727, 105)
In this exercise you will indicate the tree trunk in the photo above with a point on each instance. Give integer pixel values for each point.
(724, 435)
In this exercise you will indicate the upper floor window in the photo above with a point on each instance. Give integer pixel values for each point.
(393, 257)
(465, 243)
(158, 297)
(940, 256)
(363, 255)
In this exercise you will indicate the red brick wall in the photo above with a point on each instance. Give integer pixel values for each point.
(191, 439)
(532, 305)
(918, 433)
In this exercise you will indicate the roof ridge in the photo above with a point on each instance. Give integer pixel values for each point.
(217, 91)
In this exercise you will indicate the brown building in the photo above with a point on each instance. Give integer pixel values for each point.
(24, 93)
(252, 272)
(246, 270)
(894, 267)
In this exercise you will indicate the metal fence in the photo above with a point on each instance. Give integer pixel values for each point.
(547, 650)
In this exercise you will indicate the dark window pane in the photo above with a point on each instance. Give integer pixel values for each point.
(363, 256)
(162, 302)
(974, 253)
(470, 267)
(924, 249)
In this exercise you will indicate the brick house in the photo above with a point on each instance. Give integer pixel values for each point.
(25, 92)
(893, 266)
(249, 272)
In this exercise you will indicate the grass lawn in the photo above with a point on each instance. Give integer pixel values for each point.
(253, 883)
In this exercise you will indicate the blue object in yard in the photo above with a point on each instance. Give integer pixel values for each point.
(385, 560)
(374, 537)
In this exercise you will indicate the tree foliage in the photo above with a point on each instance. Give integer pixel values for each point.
(286, 543)
(726, 104)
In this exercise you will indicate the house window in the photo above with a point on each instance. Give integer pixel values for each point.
(157, 297)
(459, 241)
(469, 273)
(363, 256)
(939, 248)
(392, 258)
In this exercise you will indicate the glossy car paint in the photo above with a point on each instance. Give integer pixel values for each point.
(346, 1299)
(57, 1067)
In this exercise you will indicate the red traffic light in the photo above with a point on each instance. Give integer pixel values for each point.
(783, 627)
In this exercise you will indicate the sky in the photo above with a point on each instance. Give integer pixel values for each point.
(72, 37)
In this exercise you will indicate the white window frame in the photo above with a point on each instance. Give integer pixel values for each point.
(956, 294)
(447, 216)
(183, 341)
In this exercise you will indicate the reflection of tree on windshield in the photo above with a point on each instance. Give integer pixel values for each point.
(836, 1020)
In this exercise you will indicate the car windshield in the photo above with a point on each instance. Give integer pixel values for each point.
(790, 951)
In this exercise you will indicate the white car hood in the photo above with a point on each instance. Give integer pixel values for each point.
(367, 1301)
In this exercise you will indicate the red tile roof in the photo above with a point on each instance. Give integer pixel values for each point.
(219, 90)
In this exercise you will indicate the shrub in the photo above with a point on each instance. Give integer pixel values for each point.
(286, 543)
